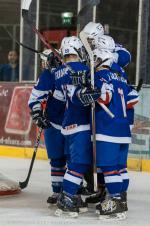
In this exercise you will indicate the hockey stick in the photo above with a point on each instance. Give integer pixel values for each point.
(25, 10)
(25, 183)
(38, 33)
(82, 12)
(87, 47)
(83, 37)
(139, 86)
(21, 44)
(91, 3)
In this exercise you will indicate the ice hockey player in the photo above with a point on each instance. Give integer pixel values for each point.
(93, 32)
(75, 127)
(97, 39)
(121, 59)
(50, 120)
(112, 137)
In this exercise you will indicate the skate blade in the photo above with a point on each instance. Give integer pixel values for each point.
(51, 205)
(113, 217)
(83, 210)
(92, 205)
(61, 213)
(97, 212)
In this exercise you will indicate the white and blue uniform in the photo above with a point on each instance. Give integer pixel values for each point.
(124, 58)
(75, 128)
(54, 140)
(113, 134)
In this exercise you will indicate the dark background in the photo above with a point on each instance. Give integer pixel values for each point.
(121, 16)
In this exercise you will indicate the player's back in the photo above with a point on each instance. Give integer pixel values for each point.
(117, 128)
(42, 91)
(74, 114)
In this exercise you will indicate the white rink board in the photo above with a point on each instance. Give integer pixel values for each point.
(30, 209)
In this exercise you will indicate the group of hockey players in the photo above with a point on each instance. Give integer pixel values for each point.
(66, 119)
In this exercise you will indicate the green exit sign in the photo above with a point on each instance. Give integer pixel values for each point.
(67, 18)
(66, 21)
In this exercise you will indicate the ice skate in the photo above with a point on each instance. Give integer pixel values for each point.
(111, 210)
(83, 207)
(52, 200)
(124, 201)
(67, 206)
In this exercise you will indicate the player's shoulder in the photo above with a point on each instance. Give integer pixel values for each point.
(77, 66)
(45, 72)
(60, 72)
(46, 75)
(124, 56)
(103, 72)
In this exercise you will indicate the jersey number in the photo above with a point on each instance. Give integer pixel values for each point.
(120, 91)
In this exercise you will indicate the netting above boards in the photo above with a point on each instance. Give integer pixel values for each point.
(140, 147)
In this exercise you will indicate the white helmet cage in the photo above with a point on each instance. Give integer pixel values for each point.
(105, 42)
(44, 56)
(103, 57)
(93, 30)
(72, 45)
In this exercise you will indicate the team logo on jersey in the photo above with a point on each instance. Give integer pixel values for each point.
(60, 73)
(115, 76)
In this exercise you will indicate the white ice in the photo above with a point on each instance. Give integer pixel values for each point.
(30, 208)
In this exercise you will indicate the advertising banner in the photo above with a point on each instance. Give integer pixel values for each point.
(16, 127)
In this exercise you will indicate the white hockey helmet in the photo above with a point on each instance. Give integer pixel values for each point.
(105, 42)
(72, 45)
(103, 57)
(93, 30)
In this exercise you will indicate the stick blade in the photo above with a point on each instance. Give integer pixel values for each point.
(26, 4)
(23, 184)
(84, 39)
(91, 3)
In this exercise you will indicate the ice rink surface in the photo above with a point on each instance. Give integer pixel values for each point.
(29, 208)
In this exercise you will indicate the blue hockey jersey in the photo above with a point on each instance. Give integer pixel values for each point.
(113, 129)
(76, 118)
(118, 69)
(124, 56)
(43, 91)
(134, 94)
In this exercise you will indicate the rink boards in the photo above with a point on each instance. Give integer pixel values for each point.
(18, 134)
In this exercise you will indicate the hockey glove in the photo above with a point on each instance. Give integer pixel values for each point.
(39, 119)
(87, 95)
